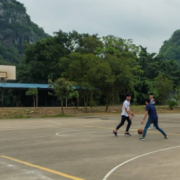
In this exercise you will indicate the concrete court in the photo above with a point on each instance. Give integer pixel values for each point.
(85, 149)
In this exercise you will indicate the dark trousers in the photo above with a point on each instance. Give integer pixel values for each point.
(155, 122)
(124, 118)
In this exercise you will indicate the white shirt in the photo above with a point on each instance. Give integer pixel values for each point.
(153, 101)
(126, 104)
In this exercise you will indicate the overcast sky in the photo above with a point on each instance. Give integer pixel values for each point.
(147, 22)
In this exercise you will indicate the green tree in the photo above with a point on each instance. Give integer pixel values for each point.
(63, 89)
(114, 75)
(164, 87)
(88, 44)
(152, 66)
(101, 77)
(177, 95)
(76, 68)
(171, 70)
(32, 92)
(43, 57)
(116, 46)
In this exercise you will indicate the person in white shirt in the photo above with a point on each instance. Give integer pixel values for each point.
(125, 116)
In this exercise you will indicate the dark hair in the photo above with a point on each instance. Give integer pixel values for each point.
(151, 93)
(128, 95)
(148, 100)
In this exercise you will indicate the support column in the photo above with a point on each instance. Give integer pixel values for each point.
(37, 100)
(2, 97)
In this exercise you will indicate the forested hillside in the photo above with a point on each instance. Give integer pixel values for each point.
(16, 29)
(171, 48)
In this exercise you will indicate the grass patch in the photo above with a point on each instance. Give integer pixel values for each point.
(20, 113)
(58, 115)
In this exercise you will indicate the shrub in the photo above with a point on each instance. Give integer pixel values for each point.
(172, 103)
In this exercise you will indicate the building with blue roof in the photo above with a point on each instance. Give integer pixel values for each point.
(42, 99)
(21, 88)
(24, 86)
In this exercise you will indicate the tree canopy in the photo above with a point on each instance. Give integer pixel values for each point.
(106, 66)
(103, 69)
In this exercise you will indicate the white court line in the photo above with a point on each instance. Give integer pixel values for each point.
(3, 128)
(137, 157)
(23, 138)
(52, 122)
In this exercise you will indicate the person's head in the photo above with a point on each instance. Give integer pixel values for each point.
(151, 95)
(128, 96)
(147, 101)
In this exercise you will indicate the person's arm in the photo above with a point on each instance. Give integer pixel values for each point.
(129, 113)
(145, 115)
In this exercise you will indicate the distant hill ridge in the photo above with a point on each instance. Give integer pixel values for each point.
(16, 29)
(170, 49)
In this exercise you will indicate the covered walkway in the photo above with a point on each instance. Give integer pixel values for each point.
(22, 86)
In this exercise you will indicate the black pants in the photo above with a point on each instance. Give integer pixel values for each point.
(124, 118)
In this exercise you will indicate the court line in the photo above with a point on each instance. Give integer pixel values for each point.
(12, 139)
(30, 127)
(137, 157)
(42, 168)
(53, 122)
(24, 126)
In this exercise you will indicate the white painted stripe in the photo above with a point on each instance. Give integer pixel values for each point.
(53, 122)
(16, 127)
(13, 139)
(137, 157)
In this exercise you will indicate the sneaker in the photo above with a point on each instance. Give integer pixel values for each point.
(127, 134)
(142, 139)
(166, 137)
(115, 133)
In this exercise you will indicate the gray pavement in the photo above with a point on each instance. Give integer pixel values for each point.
(85, 149)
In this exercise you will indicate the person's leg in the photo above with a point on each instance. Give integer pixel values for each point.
(123, 119)
(155, 122)
(149, 124)
(128, 127)
(146, 128)
(129, 124)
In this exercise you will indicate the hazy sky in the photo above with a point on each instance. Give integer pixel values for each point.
(147, 22)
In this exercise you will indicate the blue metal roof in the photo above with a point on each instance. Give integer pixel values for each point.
(24, 86)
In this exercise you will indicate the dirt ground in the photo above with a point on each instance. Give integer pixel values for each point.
(30, 112)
